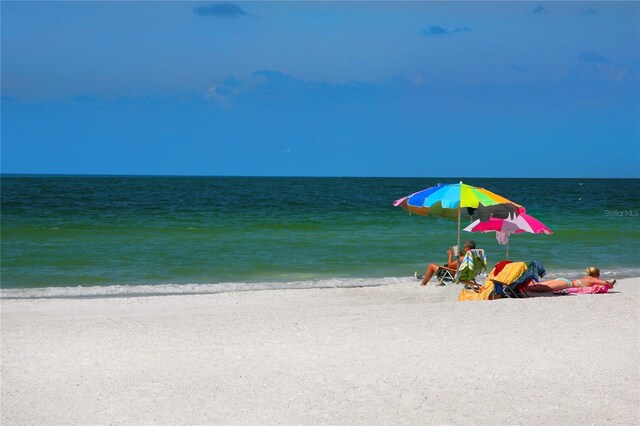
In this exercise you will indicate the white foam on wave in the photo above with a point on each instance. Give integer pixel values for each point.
(177, 289)
(606, 274)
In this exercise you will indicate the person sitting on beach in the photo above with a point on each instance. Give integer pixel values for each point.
(592, 278)
(452, 263)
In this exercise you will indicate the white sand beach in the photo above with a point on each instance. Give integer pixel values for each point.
(396, 354)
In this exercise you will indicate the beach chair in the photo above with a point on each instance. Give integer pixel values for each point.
(445, 275)
(473, 262)
(493, 288)
(507, 279)
(515, 287)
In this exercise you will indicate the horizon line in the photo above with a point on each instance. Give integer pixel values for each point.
(44, 175)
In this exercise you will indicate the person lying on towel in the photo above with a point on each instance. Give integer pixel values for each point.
(452, 262)
(591, 279)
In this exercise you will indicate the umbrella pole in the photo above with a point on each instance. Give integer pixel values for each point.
(459, 203)
(507, 249)
(458, 228)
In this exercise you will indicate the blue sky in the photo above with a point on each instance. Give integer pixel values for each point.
(496, 89)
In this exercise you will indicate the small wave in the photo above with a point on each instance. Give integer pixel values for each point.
(606, 274)
(186, 289)
(125, 290)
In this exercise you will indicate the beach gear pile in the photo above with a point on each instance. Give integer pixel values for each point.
(506, 279)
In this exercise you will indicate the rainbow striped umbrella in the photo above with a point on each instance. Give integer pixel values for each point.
(459, 200)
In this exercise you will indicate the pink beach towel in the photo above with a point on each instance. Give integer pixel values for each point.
(584, 290)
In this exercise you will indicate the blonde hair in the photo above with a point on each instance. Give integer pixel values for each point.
(593, 271)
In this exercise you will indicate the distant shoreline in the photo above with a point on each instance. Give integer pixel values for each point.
(160, 290)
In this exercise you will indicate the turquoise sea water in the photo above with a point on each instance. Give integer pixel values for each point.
(186, 234)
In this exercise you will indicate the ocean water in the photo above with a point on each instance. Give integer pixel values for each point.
(100, 235)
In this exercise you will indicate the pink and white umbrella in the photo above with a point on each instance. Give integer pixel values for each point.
(504, 227)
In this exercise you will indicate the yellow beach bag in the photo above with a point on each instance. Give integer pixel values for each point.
(485, 292)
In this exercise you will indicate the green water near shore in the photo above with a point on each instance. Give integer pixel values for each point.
(87, 231)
